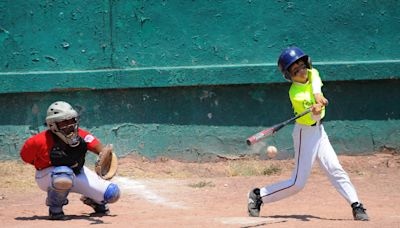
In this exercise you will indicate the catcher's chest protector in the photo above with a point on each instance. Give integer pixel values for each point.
(63, 155)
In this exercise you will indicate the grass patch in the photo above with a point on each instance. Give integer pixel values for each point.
(17, 175)
(238, 168)
(202, 184)
(271, 170)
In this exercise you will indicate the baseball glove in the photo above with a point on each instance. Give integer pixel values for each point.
(107, 163)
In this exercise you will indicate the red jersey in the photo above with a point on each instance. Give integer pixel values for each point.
(36, 150)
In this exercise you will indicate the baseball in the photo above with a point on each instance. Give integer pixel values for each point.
(271, 152)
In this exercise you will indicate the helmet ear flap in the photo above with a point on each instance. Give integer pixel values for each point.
(287, 76)
(308, 62)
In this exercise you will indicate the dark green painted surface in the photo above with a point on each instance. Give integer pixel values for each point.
(173, 33)
(200, 122)
(243, 105)
(54, 35)
(193, 79)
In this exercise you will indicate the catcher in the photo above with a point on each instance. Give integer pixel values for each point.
(58, 154)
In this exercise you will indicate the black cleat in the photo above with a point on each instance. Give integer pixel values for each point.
(359, 212)
(101, 209)
(254, 203)
(57, 216)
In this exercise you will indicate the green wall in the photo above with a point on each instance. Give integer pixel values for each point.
(193, 79)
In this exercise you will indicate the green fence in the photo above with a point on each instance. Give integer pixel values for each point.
(193, 79)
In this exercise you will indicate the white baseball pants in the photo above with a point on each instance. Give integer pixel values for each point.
(310, 143)
(87, 183)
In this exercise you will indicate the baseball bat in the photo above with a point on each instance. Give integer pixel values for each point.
(270, 131)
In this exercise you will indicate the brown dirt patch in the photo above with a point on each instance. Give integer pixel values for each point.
(169, 193)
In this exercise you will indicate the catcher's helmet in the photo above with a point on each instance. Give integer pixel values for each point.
(288, 57)
(61, 113)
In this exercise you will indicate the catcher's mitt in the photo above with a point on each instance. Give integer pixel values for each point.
(107, 163)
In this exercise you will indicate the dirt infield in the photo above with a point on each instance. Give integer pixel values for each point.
(167, 193)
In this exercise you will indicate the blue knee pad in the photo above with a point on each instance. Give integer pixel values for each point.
(112, 193)
(62, 178)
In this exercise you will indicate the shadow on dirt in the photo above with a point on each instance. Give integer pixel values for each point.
(93, 218)
(262, 224)
(285, 218)
(305, 218)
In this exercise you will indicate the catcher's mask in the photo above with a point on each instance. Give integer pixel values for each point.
(63, 121)
(288, 57)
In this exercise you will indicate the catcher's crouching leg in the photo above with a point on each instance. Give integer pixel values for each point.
(62, 180)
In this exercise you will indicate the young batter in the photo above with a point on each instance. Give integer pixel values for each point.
(309, 138)
(58, 155)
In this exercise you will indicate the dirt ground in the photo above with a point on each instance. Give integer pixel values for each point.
(168, 193)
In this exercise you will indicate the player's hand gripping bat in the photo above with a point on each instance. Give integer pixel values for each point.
(270, 131)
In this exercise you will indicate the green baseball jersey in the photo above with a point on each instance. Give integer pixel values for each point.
(302, 96)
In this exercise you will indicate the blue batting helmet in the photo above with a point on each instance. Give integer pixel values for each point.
(288, 57)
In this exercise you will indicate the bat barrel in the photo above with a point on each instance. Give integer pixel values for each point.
(251, 140)
(259, 136)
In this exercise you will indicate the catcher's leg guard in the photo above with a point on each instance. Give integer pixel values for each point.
(62, 179)
(112, 193)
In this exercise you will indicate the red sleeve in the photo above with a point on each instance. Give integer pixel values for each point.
(90, 140)
(28, 151)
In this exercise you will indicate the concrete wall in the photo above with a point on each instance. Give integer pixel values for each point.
(193, 79)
